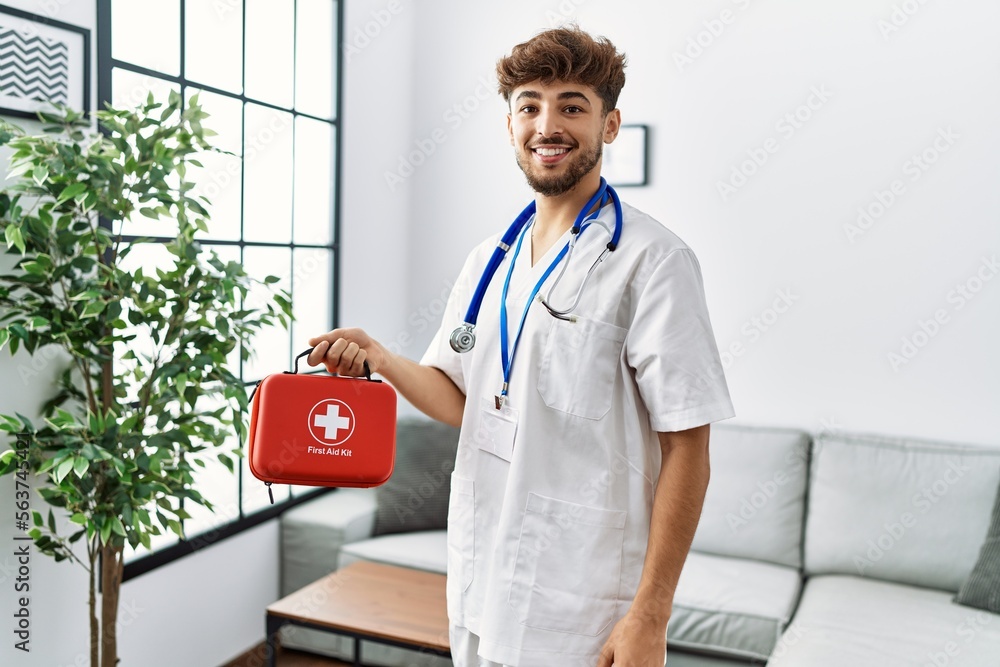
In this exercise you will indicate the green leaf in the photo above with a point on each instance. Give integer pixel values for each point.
(14, 239)
(118, 526)
(92, 309)
(19, 331)
(105, 532)
(63, 470)
(52, 521)
(80, 466)
(40, 174)
(71, 191)
(4, 337)
(79, 519)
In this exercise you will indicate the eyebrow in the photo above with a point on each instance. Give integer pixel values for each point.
(567, 95)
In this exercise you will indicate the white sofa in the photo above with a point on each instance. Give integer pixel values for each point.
(843, 550)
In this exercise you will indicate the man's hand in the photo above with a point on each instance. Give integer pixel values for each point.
(344, 351)
(635, 642)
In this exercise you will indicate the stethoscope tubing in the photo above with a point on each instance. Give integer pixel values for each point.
(463, 338)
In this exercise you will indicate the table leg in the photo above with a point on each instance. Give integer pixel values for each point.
(357, 652)
(272, 624)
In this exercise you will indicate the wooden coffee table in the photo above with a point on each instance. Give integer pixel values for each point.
(390, 605)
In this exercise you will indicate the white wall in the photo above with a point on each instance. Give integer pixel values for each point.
(825, 362)
(208, 607)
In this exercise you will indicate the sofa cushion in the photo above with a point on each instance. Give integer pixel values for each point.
(313, 533)
(732, 606)
(982, 589)
(909, 511)
(423, 550)
(848, 620)
(755, 503)
(416, 495)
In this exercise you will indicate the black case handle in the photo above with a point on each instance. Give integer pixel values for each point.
(295, 368)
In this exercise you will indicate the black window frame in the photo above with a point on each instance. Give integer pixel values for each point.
(106, 63)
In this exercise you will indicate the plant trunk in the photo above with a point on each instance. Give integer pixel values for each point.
(111, 584)
(94, 628)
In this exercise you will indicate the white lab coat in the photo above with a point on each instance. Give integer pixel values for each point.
(545, 551)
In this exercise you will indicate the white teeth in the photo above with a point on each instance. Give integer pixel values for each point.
(548, 152)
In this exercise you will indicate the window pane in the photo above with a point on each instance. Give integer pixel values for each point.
(313, 303)
(267, 162)
(314, 159)
(219, 178)
(271, 346)
(315, 57)
(214, 44)
(129, 90)
(227, 253)
(269, 51)
(147, 34)
(220, 487)
(149, 257)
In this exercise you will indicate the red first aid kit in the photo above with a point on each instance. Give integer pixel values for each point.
(321, 430)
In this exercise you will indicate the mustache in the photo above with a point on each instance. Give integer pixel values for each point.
(557, 142)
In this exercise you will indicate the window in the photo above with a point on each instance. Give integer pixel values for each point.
(268, 73)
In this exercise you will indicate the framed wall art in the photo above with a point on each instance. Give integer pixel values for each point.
(42, 60)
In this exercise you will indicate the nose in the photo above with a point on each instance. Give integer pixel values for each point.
(549, 123)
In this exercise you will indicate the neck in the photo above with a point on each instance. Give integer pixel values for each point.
(554, 215)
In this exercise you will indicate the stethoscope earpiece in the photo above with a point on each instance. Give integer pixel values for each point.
(463, 339)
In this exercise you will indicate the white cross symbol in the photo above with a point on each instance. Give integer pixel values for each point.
(332, 422)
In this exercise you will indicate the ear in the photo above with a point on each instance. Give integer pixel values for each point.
(510, 130)
(612, 123)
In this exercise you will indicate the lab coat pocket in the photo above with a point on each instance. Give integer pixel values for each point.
(567, 570)
(578, 367)
(461, 533)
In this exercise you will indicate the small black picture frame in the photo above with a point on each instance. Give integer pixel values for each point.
(626, 159)
(42, 60)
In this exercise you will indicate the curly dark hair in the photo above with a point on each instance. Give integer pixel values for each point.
(565, 54)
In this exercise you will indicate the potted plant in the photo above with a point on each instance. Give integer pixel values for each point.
(147, 395)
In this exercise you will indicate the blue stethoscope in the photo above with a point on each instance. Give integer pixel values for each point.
(463, 339)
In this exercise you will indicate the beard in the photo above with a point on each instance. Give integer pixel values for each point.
(556, 184)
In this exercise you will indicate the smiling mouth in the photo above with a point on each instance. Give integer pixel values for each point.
(550, 154)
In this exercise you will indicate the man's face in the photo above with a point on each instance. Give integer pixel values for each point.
(558, 132)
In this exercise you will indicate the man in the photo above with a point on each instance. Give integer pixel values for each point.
(581, 471)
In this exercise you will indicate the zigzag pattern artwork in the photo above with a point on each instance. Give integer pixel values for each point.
(33, 67)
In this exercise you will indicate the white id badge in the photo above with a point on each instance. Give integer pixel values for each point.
(497, 429)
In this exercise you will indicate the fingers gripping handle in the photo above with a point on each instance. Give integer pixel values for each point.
(368, 371)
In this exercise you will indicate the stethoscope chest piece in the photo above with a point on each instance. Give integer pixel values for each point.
(463, 339)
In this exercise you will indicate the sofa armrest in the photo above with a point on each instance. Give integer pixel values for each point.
(313, 533)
